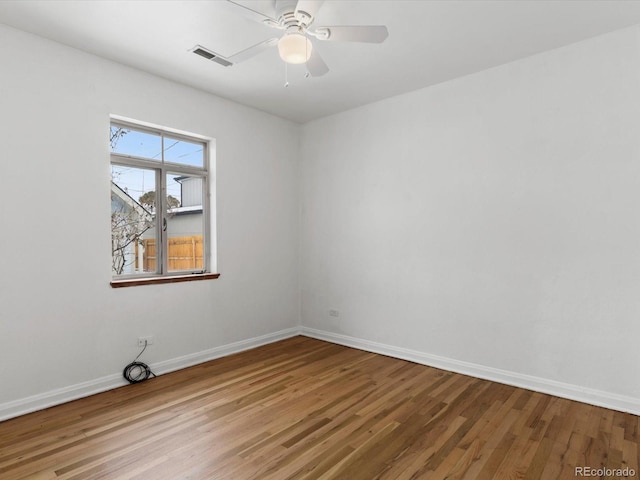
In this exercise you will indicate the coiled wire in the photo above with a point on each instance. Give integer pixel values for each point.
(137, 372)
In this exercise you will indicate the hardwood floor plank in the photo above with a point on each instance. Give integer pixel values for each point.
(44, 475)
(307, 409)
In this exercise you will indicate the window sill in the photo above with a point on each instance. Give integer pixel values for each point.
(134, 282)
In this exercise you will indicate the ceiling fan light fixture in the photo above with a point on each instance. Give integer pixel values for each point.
(294, 48)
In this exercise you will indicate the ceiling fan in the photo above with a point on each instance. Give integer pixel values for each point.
(296, 45)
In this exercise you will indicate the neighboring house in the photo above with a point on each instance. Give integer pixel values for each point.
(129, 221)
(187, 218)
(185, 226)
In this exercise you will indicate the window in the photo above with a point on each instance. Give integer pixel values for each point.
(159, 203)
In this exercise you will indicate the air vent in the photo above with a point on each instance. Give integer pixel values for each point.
(203, 53)
(209, 55)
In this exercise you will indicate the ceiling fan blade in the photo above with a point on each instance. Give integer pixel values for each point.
(310, 7)
(252, 51)
(365, 33)
(316, 65)
(254, 14)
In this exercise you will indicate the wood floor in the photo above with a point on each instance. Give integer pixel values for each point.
(306, 409)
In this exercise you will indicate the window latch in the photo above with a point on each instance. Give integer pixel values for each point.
(164, 224)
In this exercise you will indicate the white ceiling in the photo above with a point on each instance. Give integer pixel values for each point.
(430, 41)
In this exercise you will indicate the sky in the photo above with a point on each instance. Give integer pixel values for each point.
(136, 181)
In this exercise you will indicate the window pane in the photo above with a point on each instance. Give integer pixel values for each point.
(185, 223)
(126, 141)
(183, 152)
(133, 232)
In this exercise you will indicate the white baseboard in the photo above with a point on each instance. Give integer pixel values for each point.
(44, 400)
(565, 390)
(573, 392)
(66, 394)
(222, 351)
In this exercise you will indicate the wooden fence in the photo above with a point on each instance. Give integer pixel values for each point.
(185, 253)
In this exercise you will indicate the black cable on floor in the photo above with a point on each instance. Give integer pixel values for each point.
(137, 372)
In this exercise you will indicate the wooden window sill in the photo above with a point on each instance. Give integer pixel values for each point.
(134, 282)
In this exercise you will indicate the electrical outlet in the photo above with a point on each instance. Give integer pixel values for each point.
(334, 313)
(149, 339)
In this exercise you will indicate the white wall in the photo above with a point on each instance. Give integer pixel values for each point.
(62, 327)
(493, 221)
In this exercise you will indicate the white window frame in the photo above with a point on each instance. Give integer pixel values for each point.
(161, 169)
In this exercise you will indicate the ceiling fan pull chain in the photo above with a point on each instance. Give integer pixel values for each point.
(306, 74)
(286, 75)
